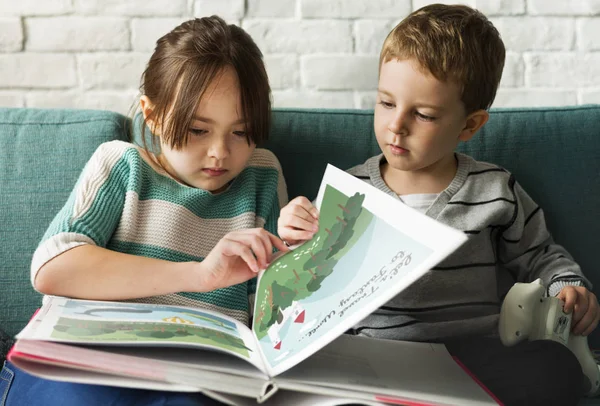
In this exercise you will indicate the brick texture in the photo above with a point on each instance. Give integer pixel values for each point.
(318, 53)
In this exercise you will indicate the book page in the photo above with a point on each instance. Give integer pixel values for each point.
(70, 363)
(369, 247)
(286, 397)
(136, 324)
(388, 371)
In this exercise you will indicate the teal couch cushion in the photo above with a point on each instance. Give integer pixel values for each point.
(42, 153)
(553, 152)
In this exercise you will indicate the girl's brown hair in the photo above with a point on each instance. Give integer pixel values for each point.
(454, 43)
(184, 63)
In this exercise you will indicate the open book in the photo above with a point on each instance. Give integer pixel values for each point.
(369, 248)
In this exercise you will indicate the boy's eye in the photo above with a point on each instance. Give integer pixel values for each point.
(197, 131)
(424, 117)
(386, 105)
(240, 133)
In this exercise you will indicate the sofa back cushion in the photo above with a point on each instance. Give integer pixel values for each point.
(42, 153)
(553, 152)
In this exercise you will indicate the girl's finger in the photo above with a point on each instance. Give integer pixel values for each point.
(259, 244)
(277, 242)
(232, 247)
(266, 245)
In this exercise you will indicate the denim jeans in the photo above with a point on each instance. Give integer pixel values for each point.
(18, 388)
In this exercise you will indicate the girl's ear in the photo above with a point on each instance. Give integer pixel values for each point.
(473, 123)
(147, 109)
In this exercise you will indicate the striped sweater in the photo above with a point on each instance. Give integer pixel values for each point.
(125, 203)
(507, 242)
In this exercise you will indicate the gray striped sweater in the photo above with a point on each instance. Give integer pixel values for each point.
(508, 242)
(125, 203)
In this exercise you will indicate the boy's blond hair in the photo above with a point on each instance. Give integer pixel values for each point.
(455, 43)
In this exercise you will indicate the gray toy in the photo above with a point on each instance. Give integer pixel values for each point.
(527, 315)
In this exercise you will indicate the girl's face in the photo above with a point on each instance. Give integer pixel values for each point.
(218, 149)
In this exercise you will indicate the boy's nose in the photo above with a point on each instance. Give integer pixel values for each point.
(398, 124)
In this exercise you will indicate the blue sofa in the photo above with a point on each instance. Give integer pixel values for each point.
(554, 153)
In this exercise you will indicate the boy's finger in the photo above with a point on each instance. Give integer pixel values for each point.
(303, 213)
(314, 212)
(302, 201)
(568, 296)
(307, 205)
(301, 223)
(293, 235)
(580, 308)
(584, 323)
(592, 326)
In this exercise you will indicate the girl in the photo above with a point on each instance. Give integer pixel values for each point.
(179, 221)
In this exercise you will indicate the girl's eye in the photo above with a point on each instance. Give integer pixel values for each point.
(240, 133)
(197, 131)
(424, 117)
(386, 105)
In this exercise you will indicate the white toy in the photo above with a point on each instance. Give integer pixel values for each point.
(527, 314)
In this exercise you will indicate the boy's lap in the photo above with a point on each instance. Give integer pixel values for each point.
(531, 372)
(20, 388)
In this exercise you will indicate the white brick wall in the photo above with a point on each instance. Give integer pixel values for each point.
(319, 53)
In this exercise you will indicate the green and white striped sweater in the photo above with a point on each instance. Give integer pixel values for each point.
(123, 203)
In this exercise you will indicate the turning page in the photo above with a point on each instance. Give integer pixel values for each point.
(369, 247)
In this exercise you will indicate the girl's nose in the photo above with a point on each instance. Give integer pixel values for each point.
(218, 149)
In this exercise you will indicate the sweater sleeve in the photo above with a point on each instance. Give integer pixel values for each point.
(279, 201)
(275, 202)
(93, 209)
(527, 249)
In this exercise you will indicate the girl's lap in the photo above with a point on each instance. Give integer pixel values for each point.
(20, 388)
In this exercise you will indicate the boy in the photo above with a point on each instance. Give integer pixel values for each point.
(438, 74)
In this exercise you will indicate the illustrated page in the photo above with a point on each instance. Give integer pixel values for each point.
(135, 324)
(369, 247)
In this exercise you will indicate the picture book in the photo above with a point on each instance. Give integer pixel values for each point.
(369, 247)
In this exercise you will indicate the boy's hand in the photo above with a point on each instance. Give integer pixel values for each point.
(237, 257)
(298, 221)
(584, 305)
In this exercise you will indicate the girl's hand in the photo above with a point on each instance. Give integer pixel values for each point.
(237, 257)
(584, 306)
(298, 221)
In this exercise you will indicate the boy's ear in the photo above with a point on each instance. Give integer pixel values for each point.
(473, 123)
(147, 109)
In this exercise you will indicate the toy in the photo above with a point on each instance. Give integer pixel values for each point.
(527, 314)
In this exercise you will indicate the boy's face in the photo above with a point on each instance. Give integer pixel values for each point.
(419, 120)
